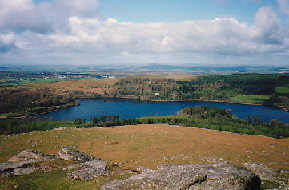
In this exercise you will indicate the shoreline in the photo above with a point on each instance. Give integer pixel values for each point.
(36, 115)
(190, 100)
(57, 108)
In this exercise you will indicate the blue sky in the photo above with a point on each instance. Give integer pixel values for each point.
(179, 10)
(95, 32)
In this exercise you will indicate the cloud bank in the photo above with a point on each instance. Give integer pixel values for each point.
(64, 31)
(284, 6)
(7, 42)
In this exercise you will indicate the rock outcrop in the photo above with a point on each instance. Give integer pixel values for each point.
(267, 174)
(23, 163)
(75, 155)
(89, 170)
(190, 177)
(88, 167)
(31, 156)
(179, 177)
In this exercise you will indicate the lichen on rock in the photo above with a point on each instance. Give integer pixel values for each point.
(88, 167)
(190, 177)
(23, 163)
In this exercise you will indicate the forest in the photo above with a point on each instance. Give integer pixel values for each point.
(25, 101)
(266, 89)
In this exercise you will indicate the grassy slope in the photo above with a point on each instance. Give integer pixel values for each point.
(144, 145)
(282, 90)
(250, 99)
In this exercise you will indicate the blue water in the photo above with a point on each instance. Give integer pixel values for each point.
(135, 109)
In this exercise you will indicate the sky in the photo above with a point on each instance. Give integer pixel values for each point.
(132, 32)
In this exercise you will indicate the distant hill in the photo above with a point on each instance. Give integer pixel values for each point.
(193, 68)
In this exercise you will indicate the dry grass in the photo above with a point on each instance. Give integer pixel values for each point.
(152, 145)
(134, 146)
(87, 86)
(101, 86)
(177, 77)
(91, 87)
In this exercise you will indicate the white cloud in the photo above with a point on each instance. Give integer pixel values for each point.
(7, 42)
(44, 17)
(268, 26)
(72, 29)
(284, 6)
(58, 11)
(225, 36)
(21, 15)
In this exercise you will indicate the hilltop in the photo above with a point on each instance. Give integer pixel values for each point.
(127, 149)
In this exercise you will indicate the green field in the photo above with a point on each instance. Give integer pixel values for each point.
(282, 90)
(250, 99)
(15, 82)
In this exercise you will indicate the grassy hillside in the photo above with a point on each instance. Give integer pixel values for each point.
(139, 146)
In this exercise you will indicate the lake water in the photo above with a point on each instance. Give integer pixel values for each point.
(135, 109)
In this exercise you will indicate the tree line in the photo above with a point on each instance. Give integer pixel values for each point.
(202, 117)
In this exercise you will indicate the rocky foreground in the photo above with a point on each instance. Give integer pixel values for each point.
(190, 177)
(169, 177)
(218, 176)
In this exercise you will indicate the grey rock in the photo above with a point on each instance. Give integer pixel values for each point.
(89, 170)
(10, 165)
(24, 171)
(190, 177)
(87, 174)
(71, 167)
(88, 166)
(75, 155)
(268, 174)
(30, 156)
(97, 164)
(22, 163)
(261, 170)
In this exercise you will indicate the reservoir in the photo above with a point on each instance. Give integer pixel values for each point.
(135, 109)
